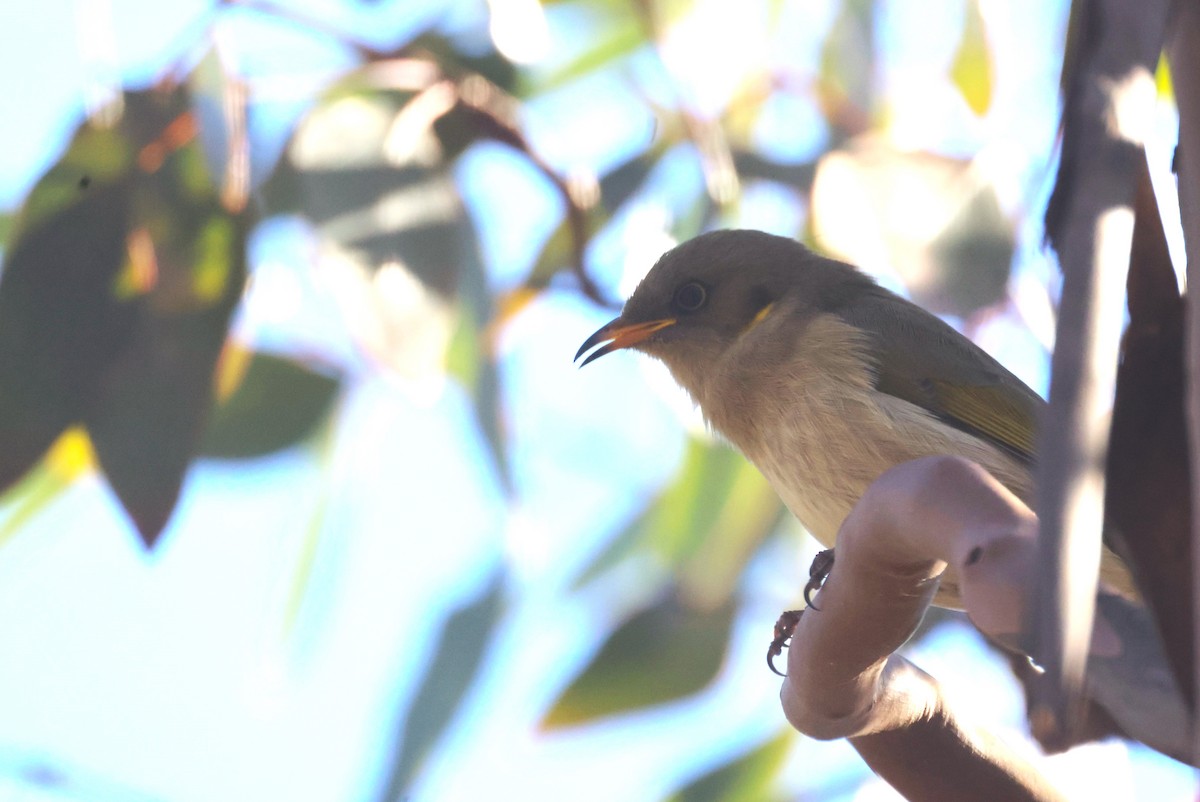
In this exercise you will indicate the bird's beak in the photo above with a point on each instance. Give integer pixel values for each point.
(621, 334)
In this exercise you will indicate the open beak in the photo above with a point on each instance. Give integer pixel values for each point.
(621, 334)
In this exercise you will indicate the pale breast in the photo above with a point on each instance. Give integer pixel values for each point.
(817, 428)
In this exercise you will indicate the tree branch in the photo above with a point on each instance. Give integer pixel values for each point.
(917, 520)
(1108, 101)
(1185, 69)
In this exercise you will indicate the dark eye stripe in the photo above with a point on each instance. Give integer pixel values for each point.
(690, 296)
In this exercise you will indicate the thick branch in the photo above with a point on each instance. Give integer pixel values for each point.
(915, 521)
(841, 686)
(1108, 100)
(1184, 56)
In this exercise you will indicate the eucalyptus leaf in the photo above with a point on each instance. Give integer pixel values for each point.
(704, 525)
(972, 70)
(61, 327)
(278, 404)
(847, 61)
(457, 659)
(666, 652)
(615, 40)
(750, 777)
(149, 408)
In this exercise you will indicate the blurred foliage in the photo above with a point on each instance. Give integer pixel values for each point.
(972, 68)
(663, 653)
(749, 778)
(934, 218)
(294, 397)
(125, 267)
(704, 526)
(125, 264)
(457, 659)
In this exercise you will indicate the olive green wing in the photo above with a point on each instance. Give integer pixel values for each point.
(922, 360)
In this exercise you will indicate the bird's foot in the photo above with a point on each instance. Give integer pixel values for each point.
(784, 627)
(822, 564)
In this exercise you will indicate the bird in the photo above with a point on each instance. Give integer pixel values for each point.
(824, 379)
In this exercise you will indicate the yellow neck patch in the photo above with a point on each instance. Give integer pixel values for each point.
(759, 318)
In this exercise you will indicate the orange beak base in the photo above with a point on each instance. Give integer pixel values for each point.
(621, 335)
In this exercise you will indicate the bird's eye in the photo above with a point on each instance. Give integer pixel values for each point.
(691, 296)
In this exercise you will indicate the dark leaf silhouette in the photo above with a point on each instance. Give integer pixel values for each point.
(277, 404)
(457, 658)
(60, 326)
(115, 301)
(149, 408)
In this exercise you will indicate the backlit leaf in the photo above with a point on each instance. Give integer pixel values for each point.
(623, 35)
(937, 218)
(471, 355)
(747, 778)
(556, 254)
(705, 524)
(847, 58)
(70, 456)
(277, 404)
(115, 299)
(971, 69)
(458, 656)
(1163, 82)
(664, 653)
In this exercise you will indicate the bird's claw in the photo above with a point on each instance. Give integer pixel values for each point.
(822, 564)
(784, 627)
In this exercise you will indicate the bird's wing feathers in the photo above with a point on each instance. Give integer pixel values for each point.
(994, 412)
(964, 387)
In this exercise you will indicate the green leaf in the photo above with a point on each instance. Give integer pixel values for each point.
(557, 254)
(614, 41)
(664, 653)
(115, 301)
(471, 355)
(40, 488)
(277, 404)
(847, 57)
(682, 511)
(748, 778)
(1163, 83)
(184, 273)
(61, 327)
(971, 70)
(619, 183)
(149, 408)
(457, 659)
(705, 524)
(971, 258)
(96, 159)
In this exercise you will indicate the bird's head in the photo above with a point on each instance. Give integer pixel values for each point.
(705, 295)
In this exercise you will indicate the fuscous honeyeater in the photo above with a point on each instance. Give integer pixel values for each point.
(824, 379)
